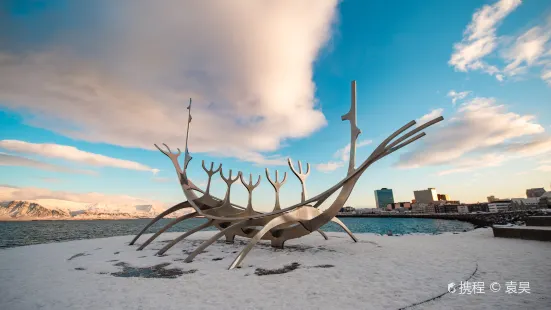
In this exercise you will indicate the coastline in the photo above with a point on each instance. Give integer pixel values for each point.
(479, 220)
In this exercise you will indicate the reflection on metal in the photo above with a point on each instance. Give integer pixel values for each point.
(280, 224)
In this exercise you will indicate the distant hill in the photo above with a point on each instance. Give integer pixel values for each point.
(22, 209)
(62, 209)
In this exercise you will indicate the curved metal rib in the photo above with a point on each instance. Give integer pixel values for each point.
(270, 225)
(217, 236)
(185, 235)
(341, 224)
(168, 211)
(322, 234)
(166, 227)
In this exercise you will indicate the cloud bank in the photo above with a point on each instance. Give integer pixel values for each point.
(481, 133)
(19, 161)
(73, 154)
(124, 74)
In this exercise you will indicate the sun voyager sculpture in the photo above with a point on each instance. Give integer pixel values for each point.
(281, 224)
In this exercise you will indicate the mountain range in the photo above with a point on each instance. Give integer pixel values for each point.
(62, 209)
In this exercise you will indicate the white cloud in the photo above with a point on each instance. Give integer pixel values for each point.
(457, 95)
(329, 166)
(479, 39)
(469, 164)
(9, 193)
(430, 116)
(482, 133)
(343, 155)
(18, 161)
(544, 168)
(527, 49)
(124, 77)
(72, 154)
(519, 53)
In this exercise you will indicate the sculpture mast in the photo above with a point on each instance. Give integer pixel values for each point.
(187, 157)
(354, 130)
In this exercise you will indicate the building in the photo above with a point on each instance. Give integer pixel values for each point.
(368, 211)
(430, 208)
(426, 196)
(448, 202)
(462, 209)
(443, 197)
(383, 197)
(446, 209)
(492, 198)
(525, 203)
(545, 200)
(477, 207)
(535, 192)
(418, 207)
(397, 205)
(347, 209)
(499, 206)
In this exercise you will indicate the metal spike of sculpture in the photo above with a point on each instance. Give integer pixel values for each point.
(281, 224)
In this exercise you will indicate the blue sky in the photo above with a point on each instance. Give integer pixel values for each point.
(85, 91)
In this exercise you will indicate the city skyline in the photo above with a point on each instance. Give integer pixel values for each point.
(83, 98)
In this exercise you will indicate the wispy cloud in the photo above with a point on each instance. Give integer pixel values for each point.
(126, 79)
(329, 166)
(343, 155)
(73, 154)
(19, 161)
(518, 53)
(479, 39)
(544, 168)
(456, 96)
(526, 50)
(482, 133)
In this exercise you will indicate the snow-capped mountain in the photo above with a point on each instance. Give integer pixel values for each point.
(54, 208)
(22, 209)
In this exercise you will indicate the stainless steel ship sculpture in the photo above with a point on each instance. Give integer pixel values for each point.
(281, 224)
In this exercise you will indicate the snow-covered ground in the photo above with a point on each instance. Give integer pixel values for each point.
(379, 272)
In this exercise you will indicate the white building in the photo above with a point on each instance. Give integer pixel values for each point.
(499, 206)
(397, 205)
(426, 196)
(525, 203)
(462, 209)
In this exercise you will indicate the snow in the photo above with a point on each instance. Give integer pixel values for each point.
(66, 205)
(379, 272)
(524, 227)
